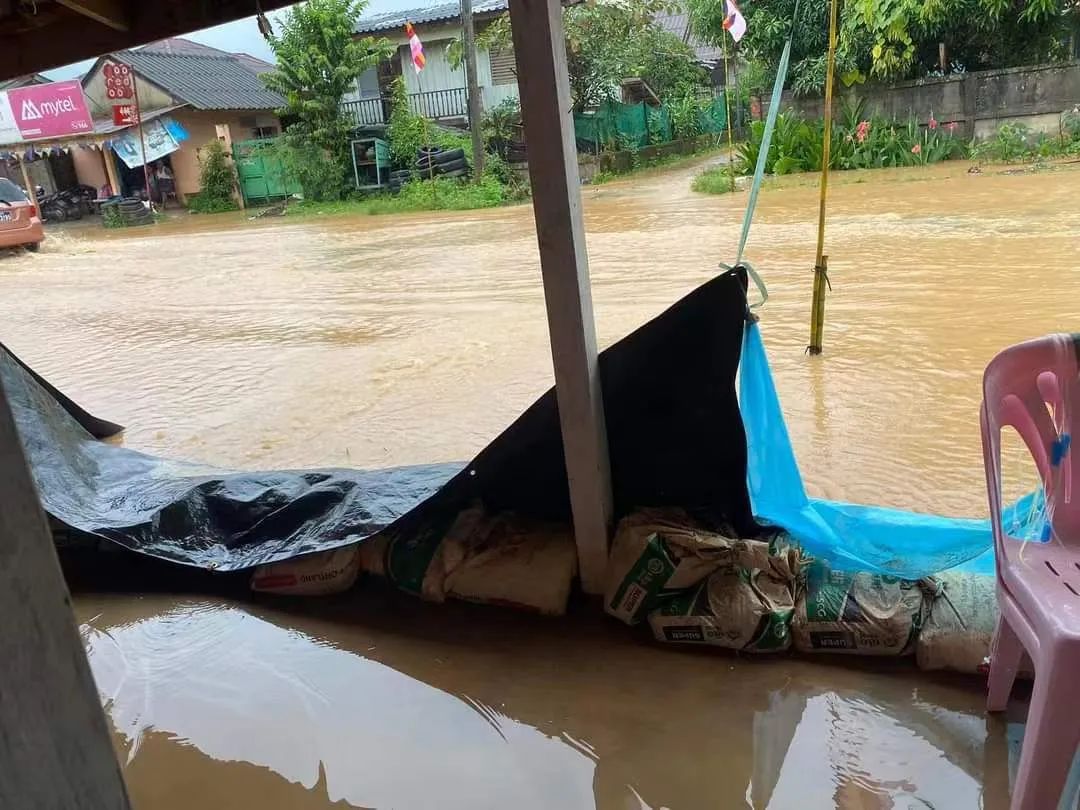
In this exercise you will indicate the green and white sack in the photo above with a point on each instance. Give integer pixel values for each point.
(741, 609)
(858, 613)
(658, 554)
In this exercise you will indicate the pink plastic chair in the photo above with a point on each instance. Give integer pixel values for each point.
(1031, 387)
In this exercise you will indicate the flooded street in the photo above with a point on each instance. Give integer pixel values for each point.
(378, 341)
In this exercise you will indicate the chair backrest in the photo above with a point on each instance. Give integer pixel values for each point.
(1034, 387)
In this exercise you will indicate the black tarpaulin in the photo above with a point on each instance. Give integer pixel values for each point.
(675, 437)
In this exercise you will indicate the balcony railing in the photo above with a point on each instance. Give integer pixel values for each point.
(435, 105)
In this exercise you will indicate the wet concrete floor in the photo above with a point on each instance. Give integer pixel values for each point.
(378, 341)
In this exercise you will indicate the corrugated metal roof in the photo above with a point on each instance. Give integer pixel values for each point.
(205, 82)
(23, 81)
(678, 23)
(427, 14)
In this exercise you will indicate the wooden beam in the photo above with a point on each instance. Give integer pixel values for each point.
(107, 12)
(55, 749)
(110, 170)
(540, 50)
(64, 38)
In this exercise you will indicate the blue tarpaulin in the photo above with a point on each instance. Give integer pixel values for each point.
(852, 536)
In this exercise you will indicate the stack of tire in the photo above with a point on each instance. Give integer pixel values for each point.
(131, 211)
(433, 161)
(399, 178)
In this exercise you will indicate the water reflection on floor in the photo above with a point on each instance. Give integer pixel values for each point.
(376, 700)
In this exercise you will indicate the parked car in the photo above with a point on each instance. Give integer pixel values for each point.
(20, 224)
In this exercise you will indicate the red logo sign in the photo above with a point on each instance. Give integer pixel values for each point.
(125, 115)
(119, 82)
(50, 110)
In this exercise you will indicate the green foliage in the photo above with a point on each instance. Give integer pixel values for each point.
(318, 61)
(713, 180)
(110, 217)
(502, 123)
(895, 39)
(217, 180)
(1015, 143)
(611, 40)
(857, 142)
(408, 132)
(440, 194)
(291, 161)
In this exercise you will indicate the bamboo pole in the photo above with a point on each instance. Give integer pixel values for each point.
(821, 264)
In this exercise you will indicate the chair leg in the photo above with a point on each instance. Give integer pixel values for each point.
(1050, 740)
(1006, 653)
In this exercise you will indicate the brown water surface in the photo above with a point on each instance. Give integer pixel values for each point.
(373, 341)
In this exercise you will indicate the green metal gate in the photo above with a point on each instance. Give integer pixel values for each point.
(262, 177)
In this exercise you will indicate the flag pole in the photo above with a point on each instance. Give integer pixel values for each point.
(727, 114)
(821, 263)
(142, 138)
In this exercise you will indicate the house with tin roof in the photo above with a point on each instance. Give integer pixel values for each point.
(439, 92)
(207, 94)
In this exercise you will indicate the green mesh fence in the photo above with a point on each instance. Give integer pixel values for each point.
(614, 126)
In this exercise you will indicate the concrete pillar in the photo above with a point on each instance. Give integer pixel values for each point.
(540, 50)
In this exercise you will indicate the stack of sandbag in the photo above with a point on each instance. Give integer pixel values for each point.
(320, 574)
(700, 587)
(859, 613)
(491, 559)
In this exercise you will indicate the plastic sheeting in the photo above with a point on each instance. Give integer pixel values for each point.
(850, 536)
(674, 433)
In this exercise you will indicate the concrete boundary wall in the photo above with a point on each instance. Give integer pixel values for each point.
(978, 102)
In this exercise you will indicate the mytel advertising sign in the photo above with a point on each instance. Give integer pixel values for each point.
(45, 111)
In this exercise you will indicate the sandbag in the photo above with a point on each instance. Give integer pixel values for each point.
(858, 613)
(492, 559)
(741, 608)
(321, 574)
(657, 554)
(511, 562)
(960, 627)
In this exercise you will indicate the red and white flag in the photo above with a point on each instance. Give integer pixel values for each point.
(416, 47)
(734, 22)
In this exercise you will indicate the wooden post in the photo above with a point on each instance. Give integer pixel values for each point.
(31, 192)
(55, 749)
(110, 170)
(540, 48)
(476, 101)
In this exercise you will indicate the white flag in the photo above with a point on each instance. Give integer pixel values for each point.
(734, 22)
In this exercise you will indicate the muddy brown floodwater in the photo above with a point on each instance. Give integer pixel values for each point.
(381, 341)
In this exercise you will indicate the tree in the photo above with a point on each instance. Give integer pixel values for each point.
(318, 61)
(891, 40)
(608, 41)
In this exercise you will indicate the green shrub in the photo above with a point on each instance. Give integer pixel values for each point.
(857, 142)
(408, 132)
(217, 179)
(714, 180)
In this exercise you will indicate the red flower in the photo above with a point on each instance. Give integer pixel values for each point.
(932, 123)
(951, 127)
(862, 130)
(916, 149)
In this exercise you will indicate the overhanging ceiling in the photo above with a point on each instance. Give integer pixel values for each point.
(37, 35)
